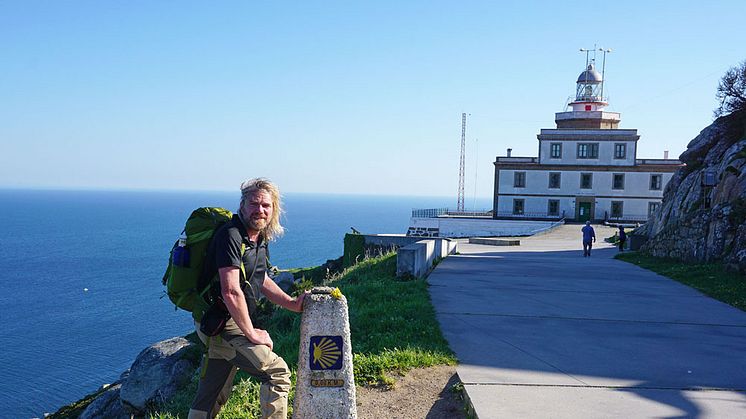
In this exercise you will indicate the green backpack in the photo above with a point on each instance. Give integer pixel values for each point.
(187, 259)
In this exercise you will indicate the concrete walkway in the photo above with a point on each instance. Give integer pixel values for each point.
(542, 332)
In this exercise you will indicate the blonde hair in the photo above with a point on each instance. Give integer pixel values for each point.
(251, 187)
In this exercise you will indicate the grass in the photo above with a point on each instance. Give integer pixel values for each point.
(393, 329)
(709, 278)
(75, 409)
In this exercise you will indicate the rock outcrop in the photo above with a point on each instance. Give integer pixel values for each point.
(703, 215)
(155, 376)
(107, 405)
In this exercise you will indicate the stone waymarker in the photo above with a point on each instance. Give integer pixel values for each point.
(325, 388)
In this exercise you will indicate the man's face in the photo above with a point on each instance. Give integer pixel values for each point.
(257, 210)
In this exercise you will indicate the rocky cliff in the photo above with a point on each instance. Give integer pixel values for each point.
(703, 215)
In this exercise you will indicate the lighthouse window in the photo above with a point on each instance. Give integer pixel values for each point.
(553, 207)
(556, 150)
(554, 180)
(618, 181)
(620, 151)
(656, 182)
(587, 150)
(519, 179)
(518, 206)
(586, 180)
(653, 207)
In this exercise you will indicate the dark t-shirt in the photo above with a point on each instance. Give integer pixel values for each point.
(588, 233)
(225, 251)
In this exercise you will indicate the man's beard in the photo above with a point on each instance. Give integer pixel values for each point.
(258, 224)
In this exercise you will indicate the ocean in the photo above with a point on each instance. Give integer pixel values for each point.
(81, 277)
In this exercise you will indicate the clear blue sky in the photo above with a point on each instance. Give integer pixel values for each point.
(340, 97)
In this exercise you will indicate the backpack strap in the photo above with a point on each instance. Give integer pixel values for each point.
(243, 268)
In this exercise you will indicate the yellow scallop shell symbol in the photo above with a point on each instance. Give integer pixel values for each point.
(326, 353)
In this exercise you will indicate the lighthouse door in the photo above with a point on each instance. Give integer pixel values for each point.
(584, 211)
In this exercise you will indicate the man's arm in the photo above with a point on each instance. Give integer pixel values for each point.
(276, 295)
(235, 301)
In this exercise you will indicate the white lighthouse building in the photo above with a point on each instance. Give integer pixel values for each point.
(587, 167)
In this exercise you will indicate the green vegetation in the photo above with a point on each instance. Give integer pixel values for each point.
(393, 329)
(731, 91)
(354, 249)
(709, 278)
(75, 409)
(615, 239)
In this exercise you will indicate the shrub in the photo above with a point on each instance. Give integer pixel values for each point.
(731, 91)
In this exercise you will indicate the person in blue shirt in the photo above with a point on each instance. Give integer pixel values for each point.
(589, 237)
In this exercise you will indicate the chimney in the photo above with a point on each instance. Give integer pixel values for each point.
(510, 150)
(665, 154)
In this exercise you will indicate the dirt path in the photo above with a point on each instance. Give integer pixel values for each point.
(422, 393)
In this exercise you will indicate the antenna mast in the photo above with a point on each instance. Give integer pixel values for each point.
(461, 168)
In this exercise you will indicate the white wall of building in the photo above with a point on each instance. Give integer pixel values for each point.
(570, 153)
(537, 182)
(635, 209)
(636, 194)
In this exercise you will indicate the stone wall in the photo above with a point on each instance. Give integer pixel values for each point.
(703, 214)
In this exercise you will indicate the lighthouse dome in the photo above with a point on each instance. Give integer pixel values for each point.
(590, 75)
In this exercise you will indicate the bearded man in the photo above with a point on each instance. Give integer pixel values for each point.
(238, 253)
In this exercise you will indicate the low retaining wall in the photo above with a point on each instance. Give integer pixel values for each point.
(472, 227)
(417, 259)
(494, 242)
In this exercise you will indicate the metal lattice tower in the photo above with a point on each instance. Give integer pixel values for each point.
(461, 167)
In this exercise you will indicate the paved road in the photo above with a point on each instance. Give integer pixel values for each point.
(542, 332)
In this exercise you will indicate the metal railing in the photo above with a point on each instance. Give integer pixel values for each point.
(445, 212)
(627, 217)
(672, 162)
(429, 212)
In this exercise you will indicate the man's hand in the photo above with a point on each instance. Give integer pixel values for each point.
(261, 337)
(297, 303)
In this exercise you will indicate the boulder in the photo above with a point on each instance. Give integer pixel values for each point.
(107, 405)
(157, 373)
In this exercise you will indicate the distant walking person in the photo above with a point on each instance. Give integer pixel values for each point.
(622, 238)
(589, 237)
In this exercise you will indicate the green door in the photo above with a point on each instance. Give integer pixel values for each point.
(584, 211)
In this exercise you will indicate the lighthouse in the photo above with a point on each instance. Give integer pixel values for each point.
(588, 108)
(587, 168)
